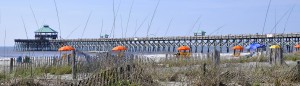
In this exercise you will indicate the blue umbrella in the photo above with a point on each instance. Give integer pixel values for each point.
(262, 46)
(254, 46)
(251, 47)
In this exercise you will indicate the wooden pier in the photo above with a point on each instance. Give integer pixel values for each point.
(161, 44)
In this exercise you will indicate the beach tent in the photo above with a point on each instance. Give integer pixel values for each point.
(183, 50)
(237, 50)
(275, 46)
(120, 50)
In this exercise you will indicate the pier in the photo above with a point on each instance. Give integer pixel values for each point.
(161, 44)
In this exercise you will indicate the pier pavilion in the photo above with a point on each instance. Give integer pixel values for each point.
(45, 33)
(41, 42)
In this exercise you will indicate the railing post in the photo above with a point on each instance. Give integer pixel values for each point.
(74, 65)
(298, 67)
(11, 65)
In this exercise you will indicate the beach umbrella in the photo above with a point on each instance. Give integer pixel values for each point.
(254, 46)
(275, 46)
(238, 47)
(183, 48)
(251, 47)
(119, 48)
(297, 46)
(66, 48)
(70, 48)
(262, 46)
(182, 51)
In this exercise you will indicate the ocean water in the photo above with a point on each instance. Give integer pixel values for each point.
(9, 52)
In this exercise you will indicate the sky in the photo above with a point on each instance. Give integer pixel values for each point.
(171, 18)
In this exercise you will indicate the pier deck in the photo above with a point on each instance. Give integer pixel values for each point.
(160, 44)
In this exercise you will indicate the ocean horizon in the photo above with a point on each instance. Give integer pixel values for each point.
(9, 52)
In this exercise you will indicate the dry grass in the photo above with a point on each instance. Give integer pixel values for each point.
(184, 71)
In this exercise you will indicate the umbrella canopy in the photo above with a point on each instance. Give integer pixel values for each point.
(297, 46)
(119, 48)
(183, 48)
(254, 46)
(275, 46)
(238, 47)
(66, 48)
(262, 46)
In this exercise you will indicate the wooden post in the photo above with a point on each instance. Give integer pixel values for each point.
(215, 57)
(227, 49)
(54, 61)
(74, 65)
(11, 65)
(128, 71)
(280, 56)
(208, 56)
(68, 59)
(204, 68)
(298, 67)
(269, 52)
(233, 52)
(276, 56)
(105, 78)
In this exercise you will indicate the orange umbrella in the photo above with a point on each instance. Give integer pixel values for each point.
(238, 47)
(183, 48)
(66, 48)
(297, 46)
(119, 48)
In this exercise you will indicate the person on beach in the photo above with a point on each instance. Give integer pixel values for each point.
(19, 59)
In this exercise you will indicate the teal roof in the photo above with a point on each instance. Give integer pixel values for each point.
(201, 31)
(45, 29)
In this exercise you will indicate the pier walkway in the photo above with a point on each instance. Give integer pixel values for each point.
(161, 44)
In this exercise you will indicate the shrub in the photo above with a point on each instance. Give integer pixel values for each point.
(60, 70)
(2, 76)
(292, 57)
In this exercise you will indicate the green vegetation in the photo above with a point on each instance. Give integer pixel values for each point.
(246, 59)
(60, 70)
(180, 62)
(26, 72)
(2, 76)
(292, 57)
(184, 70)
